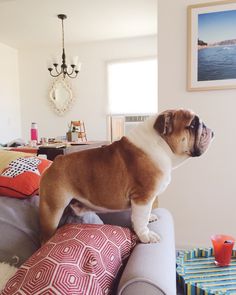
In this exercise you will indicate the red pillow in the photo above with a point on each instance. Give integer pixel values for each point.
(21, 177)
(79, 259)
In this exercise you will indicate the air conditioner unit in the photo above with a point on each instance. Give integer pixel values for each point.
(120, 125)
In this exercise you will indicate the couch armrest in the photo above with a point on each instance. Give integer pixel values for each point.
(151, 267)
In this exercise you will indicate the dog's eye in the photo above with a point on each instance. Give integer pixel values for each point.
(193, 124)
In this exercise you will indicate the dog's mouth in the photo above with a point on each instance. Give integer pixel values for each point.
(203, 138)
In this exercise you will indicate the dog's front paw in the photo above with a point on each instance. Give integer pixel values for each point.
(149, 237)
(153, 217)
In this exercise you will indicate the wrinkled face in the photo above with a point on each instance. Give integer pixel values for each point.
(184, 132)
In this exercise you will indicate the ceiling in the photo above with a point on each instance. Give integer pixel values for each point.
(26, 23)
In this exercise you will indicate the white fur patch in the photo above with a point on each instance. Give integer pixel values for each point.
(140, 218)
(146, 138)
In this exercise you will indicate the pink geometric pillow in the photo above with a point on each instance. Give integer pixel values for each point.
(78, 259)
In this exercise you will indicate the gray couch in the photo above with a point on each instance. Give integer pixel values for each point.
(150, 269)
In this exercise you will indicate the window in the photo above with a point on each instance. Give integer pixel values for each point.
(132, 87)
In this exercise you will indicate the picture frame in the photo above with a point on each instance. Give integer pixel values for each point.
(211, 51)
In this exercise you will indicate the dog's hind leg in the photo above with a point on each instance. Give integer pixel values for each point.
(51, 209)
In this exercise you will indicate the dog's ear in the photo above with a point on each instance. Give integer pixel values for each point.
(164, 123)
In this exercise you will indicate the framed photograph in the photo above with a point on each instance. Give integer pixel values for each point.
(212, 46)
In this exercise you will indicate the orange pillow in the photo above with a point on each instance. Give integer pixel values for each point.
(20, 178)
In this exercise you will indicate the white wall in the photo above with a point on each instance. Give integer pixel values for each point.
(202, 194)
(90, 87)
(9, 95)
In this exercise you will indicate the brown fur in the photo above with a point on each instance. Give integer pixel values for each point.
(119, 171)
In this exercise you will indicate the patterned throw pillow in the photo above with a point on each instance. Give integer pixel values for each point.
(21, 175)
(79, 259)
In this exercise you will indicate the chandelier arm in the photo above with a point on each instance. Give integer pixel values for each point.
(56, 75)
(76, 74)
(58, 71)
(72, 71)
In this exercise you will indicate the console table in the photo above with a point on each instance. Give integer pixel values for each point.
(52, 151)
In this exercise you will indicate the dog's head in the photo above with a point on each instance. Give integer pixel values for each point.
(184, 132)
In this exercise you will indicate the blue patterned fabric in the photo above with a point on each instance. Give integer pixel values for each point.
(197, 273)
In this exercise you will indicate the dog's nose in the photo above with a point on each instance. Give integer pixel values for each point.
(212, 132)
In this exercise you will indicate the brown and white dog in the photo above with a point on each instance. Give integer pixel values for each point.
(128, 172)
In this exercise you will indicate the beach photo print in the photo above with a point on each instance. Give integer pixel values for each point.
(212, 46)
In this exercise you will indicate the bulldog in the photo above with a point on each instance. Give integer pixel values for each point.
(130, 172)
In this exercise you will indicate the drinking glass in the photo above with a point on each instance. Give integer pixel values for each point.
(223, 246)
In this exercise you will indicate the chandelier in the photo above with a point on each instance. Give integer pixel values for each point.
(70, 71)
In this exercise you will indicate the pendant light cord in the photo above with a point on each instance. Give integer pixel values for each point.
(62, 25)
